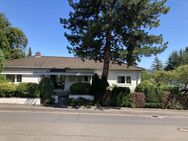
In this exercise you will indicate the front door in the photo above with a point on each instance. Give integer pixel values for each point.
(59, 81)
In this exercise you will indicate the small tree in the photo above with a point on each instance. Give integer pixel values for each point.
(29, 52)
(157, 64)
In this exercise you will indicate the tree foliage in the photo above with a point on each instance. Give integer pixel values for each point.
(29, 52)
(157, 64)
(177, 58)
(181, 75)
(2, 59)
(114, 30)
(12, 40)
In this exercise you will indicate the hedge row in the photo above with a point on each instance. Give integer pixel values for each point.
(24, 90)
(44, 90)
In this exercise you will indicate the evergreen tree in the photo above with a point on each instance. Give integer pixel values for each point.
(177, 59)
(29, 52)
(12, 40)
(157, 64)
(114, 30)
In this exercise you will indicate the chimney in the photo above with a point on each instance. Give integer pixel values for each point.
(37, 54)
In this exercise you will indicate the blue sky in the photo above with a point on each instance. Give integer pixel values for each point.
(39, 19)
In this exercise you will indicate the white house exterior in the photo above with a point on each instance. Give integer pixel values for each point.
(68, 70)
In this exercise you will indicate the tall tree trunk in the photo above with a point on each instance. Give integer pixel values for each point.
(107, 57)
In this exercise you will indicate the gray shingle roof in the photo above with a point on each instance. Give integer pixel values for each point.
(48, 62)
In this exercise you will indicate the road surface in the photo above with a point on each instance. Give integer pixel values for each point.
(82, 126)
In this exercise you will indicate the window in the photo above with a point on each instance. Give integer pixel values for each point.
(10, 77)
(121, 79)
(86, 79)
(19, 78)
(128, 79)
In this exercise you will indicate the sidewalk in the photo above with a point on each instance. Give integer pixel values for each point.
(95, 110)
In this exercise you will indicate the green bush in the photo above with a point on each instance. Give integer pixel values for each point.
(137, 100)
(80, 88)
(28, 90)
(120, 97)
(7, 89)
(98, 88)
(46, 89)
(79, 102)
(152, 92)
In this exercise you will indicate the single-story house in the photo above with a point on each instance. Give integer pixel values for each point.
(65, 71)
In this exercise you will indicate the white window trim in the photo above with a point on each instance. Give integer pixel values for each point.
(126, 79)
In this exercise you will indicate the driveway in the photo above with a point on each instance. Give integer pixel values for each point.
(48, 124)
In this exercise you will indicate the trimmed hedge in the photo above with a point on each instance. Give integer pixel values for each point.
(80, 88)
(46, 89)
(120, 97)
(7, 90)
(27, 90)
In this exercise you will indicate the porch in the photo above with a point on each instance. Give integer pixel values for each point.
(63, 80)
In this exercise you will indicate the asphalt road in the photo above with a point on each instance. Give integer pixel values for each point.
(73, 126)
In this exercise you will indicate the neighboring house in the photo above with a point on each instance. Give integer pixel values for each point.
(65, 71)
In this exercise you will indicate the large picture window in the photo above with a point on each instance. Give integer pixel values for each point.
(121, 79)
(10, 77)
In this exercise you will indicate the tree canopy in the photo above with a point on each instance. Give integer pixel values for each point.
(114, 30)
(181, 75)
(177, 58)
(12, 40)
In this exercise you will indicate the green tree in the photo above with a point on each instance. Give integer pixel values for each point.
(157, 64)
(173, 61)
(114, 30)
(29, 52)
(181, 75)
(177, 59)
(2, 59)
(12, 40)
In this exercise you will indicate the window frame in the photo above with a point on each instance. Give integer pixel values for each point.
(13, 75)
(120, 76)
(130, 80)
(18, 78)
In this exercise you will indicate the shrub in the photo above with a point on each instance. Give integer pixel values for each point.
(120, 96)
(46, 88)
(137, 100)
(80, 88)
(29, 90)
(153, 93)
(7, 90)
(79, 102)
(98, 87)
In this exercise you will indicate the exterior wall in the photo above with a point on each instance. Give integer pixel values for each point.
(113, 74)
(31, 78)
(34, 75)
(28, 75)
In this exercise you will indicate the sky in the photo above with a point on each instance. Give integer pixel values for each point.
(39, 20)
